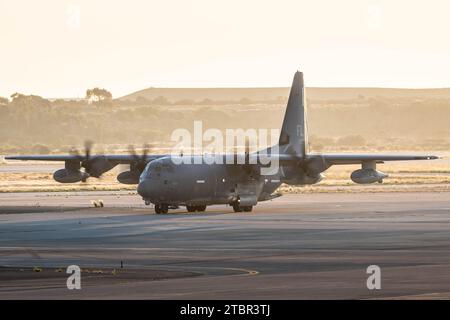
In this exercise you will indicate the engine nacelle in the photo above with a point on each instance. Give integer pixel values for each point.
(312, 179)
(99, 165)
(302, 179)
(69, 176)
(128, 177)
(365, 176)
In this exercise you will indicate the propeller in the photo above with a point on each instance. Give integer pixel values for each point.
(87, 163)
(86, 159)
(94, 166)
(140, 161)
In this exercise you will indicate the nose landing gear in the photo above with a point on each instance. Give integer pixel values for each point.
(238, 208)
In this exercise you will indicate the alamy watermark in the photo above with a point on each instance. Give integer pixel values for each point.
(247, 146)
(374, 280)
(74, 280)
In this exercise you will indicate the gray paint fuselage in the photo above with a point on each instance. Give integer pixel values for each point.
(163, 181)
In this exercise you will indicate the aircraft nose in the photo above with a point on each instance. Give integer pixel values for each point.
(144, 188)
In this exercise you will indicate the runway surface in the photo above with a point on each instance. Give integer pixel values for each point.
(298, 246)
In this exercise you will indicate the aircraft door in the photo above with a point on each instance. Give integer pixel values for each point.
(204, 182)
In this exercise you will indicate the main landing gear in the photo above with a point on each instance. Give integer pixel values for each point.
(196, 208)
(238, 208)
(161, 208)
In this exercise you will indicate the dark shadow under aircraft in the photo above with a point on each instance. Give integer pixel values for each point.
(167, 183)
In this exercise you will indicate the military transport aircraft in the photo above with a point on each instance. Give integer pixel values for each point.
(168, 185)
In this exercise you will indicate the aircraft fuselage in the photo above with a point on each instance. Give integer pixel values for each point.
(163, 181)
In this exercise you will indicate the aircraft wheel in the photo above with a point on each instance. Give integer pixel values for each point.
(157, 209)
(237, 207)
(247, 208)
(200, 208)
(190, 208)
(164, 208)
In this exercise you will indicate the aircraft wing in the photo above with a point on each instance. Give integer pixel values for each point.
(332, 158)
(117, 158)
(360, 158)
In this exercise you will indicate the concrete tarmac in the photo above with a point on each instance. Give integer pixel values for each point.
(315, 246)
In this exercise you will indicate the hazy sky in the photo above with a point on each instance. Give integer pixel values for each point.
(60, 48)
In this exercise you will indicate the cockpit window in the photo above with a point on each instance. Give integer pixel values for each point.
(157, 168)
(146, 173)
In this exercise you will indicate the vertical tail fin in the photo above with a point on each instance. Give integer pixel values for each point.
(293, 137)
